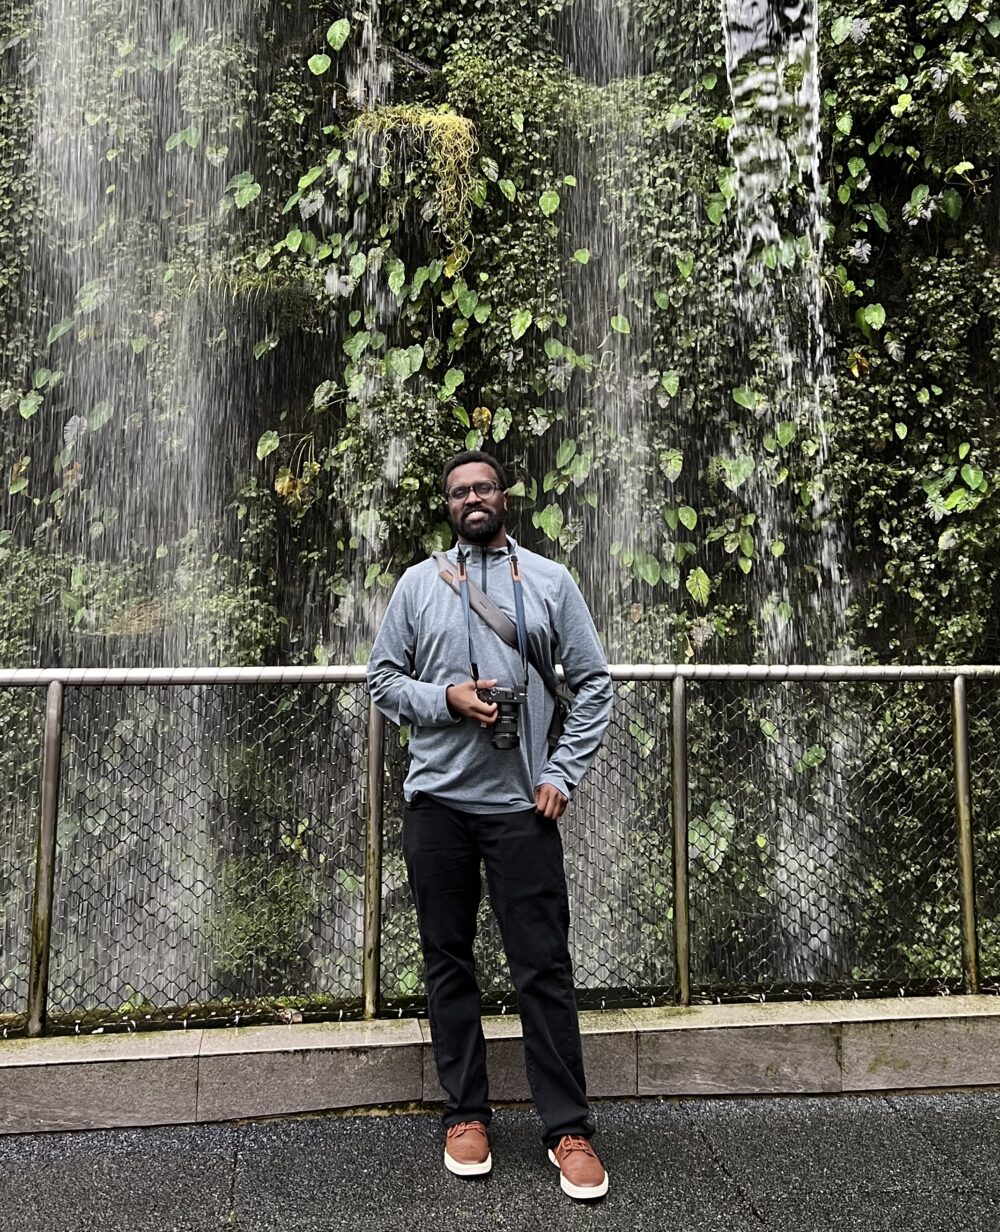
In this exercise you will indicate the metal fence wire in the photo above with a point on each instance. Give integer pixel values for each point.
(210, 850)
(228, 845)
(984, 746)
(616, 843)
(822, 838)
(22, 712)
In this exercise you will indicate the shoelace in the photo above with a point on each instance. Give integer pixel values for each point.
(572, 1143)
(463, 1127)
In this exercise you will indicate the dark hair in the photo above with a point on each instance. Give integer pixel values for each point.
(473, 455)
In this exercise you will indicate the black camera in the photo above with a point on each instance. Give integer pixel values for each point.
(504, 734)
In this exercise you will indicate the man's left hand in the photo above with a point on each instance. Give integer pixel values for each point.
(549, 801)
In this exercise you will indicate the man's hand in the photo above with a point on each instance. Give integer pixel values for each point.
(549, 801)
(464, 704)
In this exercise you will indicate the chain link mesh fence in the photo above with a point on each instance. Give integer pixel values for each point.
(22, 717)
(822, 839)
(616, 842)
(984, 758)
(211, 849)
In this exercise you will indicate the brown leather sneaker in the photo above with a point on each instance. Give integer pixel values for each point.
(582, 1173)
(467, 1149)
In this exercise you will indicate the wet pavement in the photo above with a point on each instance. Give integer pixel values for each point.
(915, 1163)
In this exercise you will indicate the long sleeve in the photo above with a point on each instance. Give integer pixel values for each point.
(390, 670)
(586, 671)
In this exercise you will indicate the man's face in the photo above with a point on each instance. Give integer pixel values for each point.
(474, 518)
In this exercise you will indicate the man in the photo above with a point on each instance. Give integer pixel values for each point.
(468, 801)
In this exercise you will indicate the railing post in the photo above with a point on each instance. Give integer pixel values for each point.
(45, 861)
(679, 811)
(373, 862)
(963, 815)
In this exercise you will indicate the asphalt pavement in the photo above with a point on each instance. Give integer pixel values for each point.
(914, 1163)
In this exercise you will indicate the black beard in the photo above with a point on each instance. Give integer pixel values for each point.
(479, 532)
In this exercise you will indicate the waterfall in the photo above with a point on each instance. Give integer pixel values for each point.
(772, 64)
(161, 367)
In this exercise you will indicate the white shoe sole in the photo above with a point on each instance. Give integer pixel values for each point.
(583, 1192)
(468, 1169)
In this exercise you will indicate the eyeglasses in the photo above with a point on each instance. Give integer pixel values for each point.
(462, 491)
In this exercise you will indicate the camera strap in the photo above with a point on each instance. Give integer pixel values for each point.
(515, 635)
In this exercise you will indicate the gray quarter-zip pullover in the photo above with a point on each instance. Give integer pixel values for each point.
(422, 647)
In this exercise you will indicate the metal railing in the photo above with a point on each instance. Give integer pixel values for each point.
(744, 834)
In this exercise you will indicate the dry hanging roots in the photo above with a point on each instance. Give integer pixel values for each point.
(450, 143)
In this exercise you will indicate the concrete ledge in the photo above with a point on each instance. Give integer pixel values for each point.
(183, 1077)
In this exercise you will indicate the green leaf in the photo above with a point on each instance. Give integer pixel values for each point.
(549, 202)
(519, 323)
(646, 568)
(462, 415)
(355, 345)
(845, 123)
(620, 325)
(952, 201)
(736, 471)
(452, 379)
(671, 382)
(841, 29)
(100, 413)
(901, 430)
(338, 33)
(318, 64)
(517, 119)
(685, 265)
(661, 299)
(716, 210)
(582, 255)
(550, 520)
(743, 395)
(566, 451)
(267, 444)
(467, 301)
(972, 476)
(688, 517)
(958, 9)
(786, 432)
(293, 240)
(396, 272)
(745, 564)
(880, 217)
(671, 463)
(29, 404)
(243, 196)
(699, 586)
(57, 331)
(874, 315)
(499, 427)
(778, 548)
(507, 188)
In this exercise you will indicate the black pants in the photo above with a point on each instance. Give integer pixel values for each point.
(523, 855)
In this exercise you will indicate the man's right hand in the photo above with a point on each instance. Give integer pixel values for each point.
(465, 704)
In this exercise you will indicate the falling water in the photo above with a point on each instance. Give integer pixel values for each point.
(773, 70)
(158, 405)
(141, 155)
